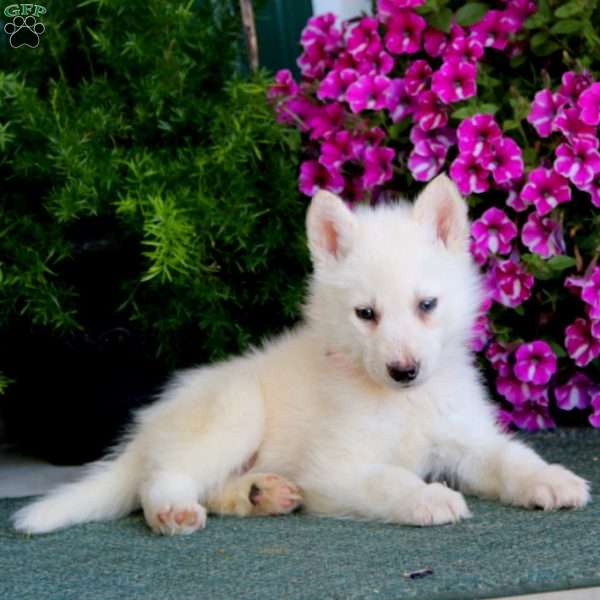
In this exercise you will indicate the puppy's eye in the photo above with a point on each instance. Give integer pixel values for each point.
(366, 313)
(427, 305)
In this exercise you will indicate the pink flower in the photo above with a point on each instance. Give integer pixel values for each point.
(379, 64)
(417, 77)
(325, 120)
(386, 8)
(514, 199)
(578, 161)
(434, 42)
(284, 85)
(426, 160)
(455, 81)
(533, 416)
(510, 283)
(494, 232)
(546, 189)
(480, 334)
(580, 343)
(571, 87)
(463, 47)
(335, 84)
(590, 293)
(568, 122)
(498, 354)
(429, 111)
(503, 420)
(404, 31)
(535, 363)
(367, 93)
(378, 165)
(521, 9)
(542, 113)
(505, 160)
(575, 393)
(398, 101)
(594, 418)
(593, 189)
(519, 392)
(543, 236)
(495, 28)
(446, 136)
(477, 134)
(315, 176)
(320, 31)
(336, 150)
(589, 103)
(469, 176)
(296, 110)
(363, 40)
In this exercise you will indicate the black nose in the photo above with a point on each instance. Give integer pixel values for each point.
(403, 372)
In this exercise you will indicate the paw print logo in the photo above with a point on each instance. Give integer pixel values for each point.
(24, 31)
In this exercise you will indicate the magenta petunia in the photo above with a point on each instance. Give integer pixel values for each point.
(337, 149)
(321, 31)
(387, 8)
(469, 176)
(514, 198)
(505, 160)
(571, 87)
(429, 111)
(510, 283)
(455, 80)
(495, 28)
(494, 231)
(378, 165)
(543, 112)
(379, 64)
(568, 122)
(589, 103)
(535, 362)
(498, 354)
(590, 293)
(465, 47)
(580, 343)
(543, 236)
(593, 189)
(404, 32)
(315, 176)
(476, 134)
(426, 160)
(533, 416)
(363, 40)
(521, 9)
(284, 85)
(445, 136)
(594, 418)
(325, 120)
(578, 161)
(519, 392)
(417, 76)
(367, 93)
(546, 189)
(435, 42)
(575, 393)
(480, 334)
(335, 84)
(503, 419)
(398, 101)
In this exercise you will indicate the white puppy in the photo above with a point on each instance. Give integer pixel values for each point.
(375, 392)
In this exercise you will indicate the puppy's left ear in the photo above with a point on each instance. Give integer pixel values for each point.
(441, 206)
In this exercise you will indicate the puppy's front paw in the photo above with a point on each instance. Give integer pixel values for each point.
(174, 519)
(554, 487)
(271, 494)
(436, 504)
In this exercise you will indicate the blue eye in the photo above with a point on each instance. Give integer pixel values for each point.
(366, 313)
(427, 305)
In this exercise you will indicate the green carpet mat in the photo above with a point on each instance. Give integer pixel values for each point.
(500, 551)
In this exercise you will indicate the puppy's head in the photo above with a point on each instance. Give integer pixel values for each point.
(394, 289)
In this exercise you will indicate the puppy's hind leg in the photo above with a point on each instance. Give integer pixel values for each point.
(194, 441)
(255, 495)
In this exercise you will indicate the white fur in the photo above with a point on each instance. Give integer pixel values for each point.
(318, 406)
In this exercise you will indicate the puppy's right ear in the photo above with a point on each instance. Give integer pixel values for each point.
(330, 227)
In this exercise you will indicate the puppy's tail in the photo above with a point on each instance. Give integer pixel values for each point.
(107, 492)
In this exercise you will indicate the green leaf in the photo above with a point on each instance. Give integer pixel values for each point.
(569, 9)
(546, 48)
(566, 26)
(471, 13)
(441, 20)
(557, 348)
(560, 263)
